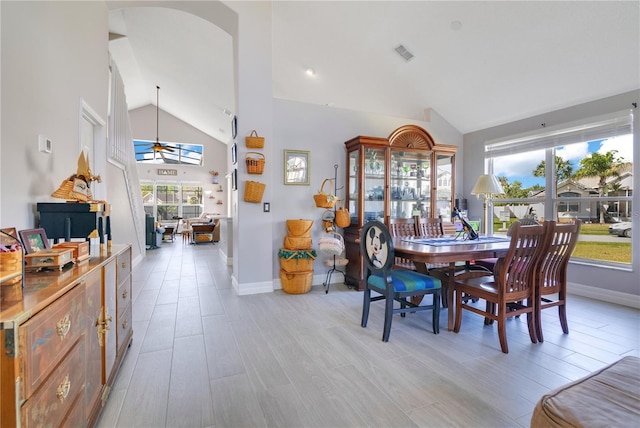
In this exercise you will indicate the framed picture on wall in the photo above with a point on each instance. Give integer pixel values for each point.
(296, 167)
(234, 154)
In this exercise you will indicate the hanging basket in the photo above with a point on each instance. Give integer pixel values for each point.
(343, 217)
(253, 141)
(331, 244)
(255, 165)
(253, 191)
(323, 199)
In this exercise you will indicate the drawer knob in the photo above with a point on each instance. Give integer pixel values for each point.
(63, 326)
(124, 325)
(125, 294)
(63, 389)
(124, 265)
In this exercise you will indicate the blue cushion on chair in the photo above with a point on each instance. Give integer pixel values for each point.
(406, 280)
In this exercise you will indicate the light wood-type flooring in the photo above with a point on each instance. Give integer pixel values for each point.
(203, 356)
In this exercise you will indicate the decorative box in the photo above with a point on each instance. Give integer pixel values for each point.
(80, 249)
(55, 258)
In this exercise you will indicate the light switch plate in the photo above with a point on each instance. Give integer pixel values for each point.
(44, 144)
(266, 207)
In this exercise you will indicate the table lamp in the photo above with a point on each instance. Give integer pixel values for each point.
(487, 185)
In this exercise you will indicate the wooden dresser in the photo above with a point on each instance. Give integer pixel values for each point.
(63, 343)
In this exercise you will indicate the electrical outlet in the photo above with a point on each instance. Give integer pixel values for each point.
(44, 144)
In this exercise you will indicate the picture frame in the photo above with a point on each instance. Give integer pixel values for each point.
(234, 179)
(34, 240)
(234, 127)
(234, 153)
(297, 168)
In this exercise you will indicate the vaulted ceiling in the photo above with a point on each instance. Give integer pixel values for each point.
(477, 64)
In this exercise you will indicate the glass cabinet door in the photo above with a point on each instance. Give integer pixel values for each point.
(373, 184)
(354, 185)
(410, 184)
(444, 185)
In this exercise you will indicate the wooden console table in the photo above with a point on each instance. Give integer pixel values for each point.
(64, 340)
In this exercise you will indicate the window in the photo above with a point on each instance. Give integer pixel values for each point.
(164, 201)
(167, 153)
(576, 171)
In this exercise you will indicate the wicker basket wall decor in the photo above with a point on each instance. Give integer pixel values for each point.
(253, 141)
(253, 191)
(255, 162)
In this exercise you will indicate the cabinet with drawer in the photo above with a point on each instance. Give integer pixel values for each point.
(62, 344)
(124, 312)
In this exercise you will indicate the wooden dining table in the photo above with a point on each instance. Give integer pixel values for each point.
(450, 252)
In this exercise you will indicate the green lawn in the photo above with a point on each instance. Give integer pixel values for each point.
(606, 251)
(609, 251)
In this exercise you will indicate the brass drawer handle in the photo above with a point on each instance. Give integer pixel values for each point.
(63, 326)
(124, 325)
(63, 389)
(124, 265)
(125, 294)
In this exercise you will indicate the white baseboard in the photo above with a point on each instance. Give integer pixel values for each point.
(317, 280)
(252, 288)
(625, 299)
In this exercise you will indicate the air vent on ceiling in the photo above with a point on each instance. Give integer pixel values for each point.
(404, 53)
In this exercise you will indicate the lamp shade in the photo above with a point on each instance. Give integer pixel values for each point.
(487, 184)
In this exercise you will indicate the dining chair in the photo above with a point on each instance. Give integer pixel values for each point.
(430, 227)
(402, 227)
(433, 227)
(392, 285)
(490, 263)
(510, 291)
(551, 273)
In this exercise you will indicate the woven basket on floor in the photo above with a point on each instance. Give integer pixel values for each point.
(296, 260)
(296, 282)
(300, 228)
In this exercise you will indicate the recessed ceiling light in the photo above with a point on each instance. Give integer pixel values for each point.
(456, 25)
(310, 72)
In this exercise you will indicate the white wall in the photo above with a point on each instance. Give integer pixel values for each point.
(619, 283)
(172, 129)
(52, 57)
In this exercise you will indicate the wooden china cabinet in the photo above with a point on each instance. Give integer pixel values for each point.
(404, 175)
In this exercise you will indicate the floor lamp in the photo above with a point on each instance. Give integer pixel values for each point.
(487, 186)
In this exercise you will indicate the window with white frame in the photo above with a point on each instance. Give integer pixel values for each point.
(167, 200)
(582, 170)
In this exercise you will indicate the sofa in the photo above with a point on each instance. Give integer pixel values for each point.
(609, 397)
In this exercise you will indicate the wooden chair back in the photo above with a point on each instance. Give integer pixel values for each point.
(514, 272)
(402, 227)
(430, 227)
(551, 271)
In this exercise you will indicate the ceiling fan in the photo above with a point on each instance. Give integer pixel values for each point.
(158, 147)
